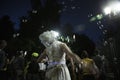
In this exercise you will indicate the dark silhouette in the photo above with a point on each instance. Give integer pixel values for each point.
(6, 28)
(19, 64)
(83, 42)
(3, 60)
(39, 19)
(33, 69)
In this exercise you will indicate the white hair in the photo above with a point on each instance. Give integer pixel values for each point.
(48, 37)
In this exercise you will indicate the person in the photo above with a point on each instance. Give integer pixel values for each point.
(56, 51)
(89, 69)
(3, 44)
(18, 65)
(33, 68)
(3, 59)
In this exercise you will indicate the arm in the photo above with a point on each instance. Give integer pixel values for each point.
(69, 53)
(73, 69)
(2, 60)
(42, 56)
(71, 64)
(96, 70)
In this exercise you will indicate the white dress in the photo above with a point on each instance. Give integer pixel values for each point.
(57, 69)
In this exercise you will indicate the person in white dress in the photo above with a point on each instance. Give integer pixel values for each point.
(56, 51)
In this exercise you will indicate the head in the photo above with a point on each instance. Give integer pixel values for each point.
(84, 54)
(34, 56)
(3, 44)
(19, 53)
(48, 37)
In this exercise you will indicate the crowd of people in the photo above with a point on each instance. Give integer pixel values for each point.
(56, 62)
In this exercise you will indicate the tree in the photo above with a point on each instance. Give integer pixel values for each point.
(67, 30)
(82, 42)
(6, 28)
(39, 19)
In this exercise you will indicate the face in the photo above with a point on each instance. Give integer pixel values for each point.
(45, 43)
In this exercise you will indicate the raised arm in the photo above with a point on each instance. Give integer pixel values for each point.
(69, 53)
(96, 70)
(42, 56)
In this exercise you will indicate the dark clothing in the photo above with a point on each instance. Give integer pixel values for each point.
(3, 75)
(98, 61)
(33, 67)
(32, 76)
(33, 71)
(88, 77)
(2, 59)
(18, 64)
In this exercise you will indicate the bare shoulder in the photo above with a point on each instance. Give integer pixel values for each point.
(63, 44)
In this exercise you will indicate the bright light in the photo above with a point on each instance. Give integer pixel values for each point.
(74, 36)
(25, 53)
(99, 16)
(107, 10)
(112, 8)
(56, 34)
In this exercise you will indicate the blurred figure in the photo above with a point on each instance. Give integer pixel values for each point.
(19, 64)
(3, 60)
(42, 68)
(33, 68)
(3, 44)
(89, 69)
(102, 64)
(10, 69)
(56, 52)
(72, 68)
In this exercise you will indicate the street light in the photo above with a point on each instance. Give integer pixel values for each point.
(112, 8)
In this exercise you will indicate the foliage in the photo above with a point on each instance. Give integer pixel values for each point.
(6, 28)
(39, 19)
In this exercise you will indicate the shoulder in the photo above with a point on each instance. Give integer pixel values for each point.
(63, 46)
(59, 43)
(88, 60)
(62, 43)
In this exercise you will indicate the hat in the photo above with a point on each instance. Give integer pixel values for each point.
(34, 54)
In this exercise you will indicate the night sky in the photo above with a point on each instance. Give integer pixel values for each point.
(76, 12)
(15, 9)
